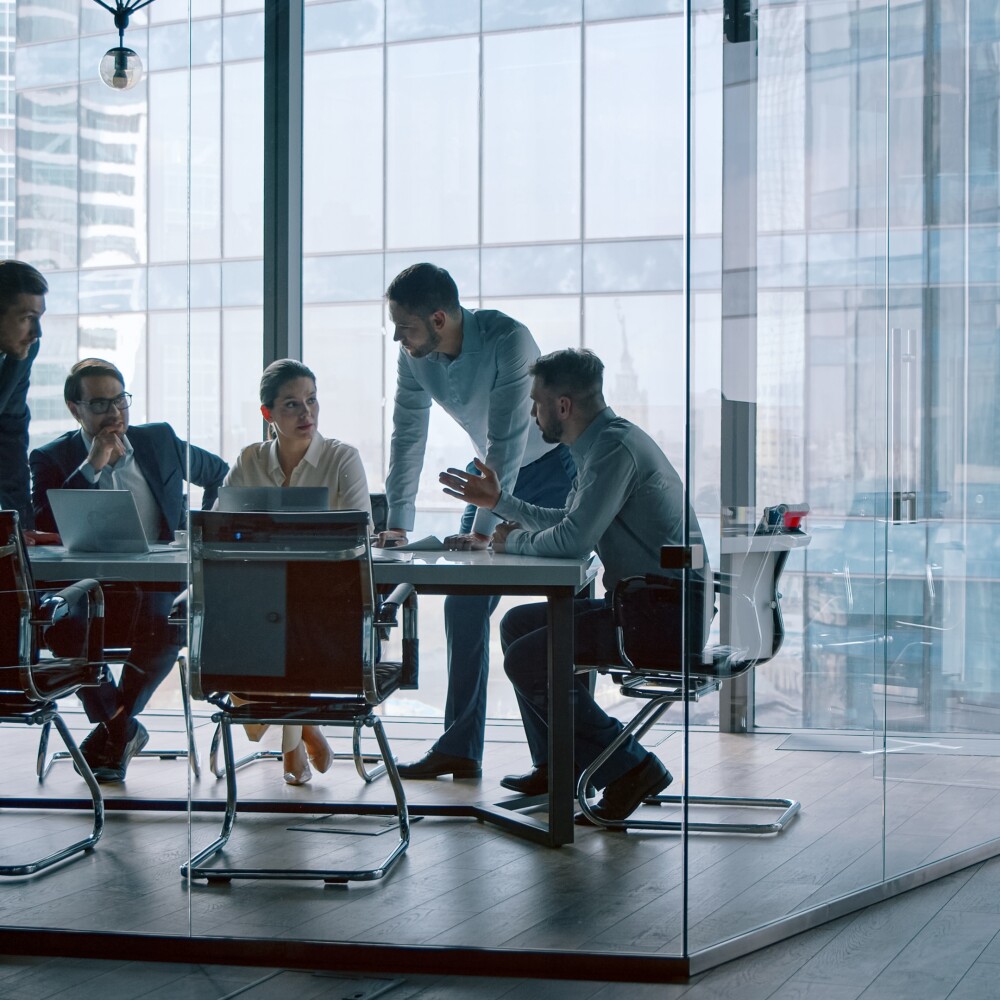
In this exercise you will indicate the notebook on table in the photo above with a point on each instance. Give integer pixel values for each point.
(99, 521)
(234, 499)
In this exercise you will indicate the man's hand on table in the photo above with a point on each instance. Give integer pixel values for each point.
(390, 539)
(467, 543)
(500, 533)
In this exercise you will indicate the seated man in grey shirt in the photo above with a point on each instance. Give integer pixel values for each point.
(626, 502)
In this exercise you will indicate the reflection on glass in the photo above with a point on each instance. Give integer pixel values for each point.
(168, 184)
(120, 338)
(634, 136)
(337, 343)
(432, 198)
(554, 321)
(342, 180)
(342, 279)
(407, 19)
(242, 348)
(344, 23)
(243, 159)
(531, 136)
(647, 266)
(501, 15)
(531, 269)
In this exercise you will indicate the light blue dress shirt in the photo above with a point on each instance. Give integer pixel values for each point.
(485, 389)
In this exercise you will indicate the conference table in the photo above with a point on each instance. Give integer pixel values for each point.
(559, 581)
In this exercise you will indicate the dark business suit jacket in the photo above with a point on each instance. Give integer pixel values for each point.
(159, 453)
(14, 416)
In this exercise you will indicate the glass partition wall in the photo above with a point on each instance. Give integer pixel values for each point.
(777, 228)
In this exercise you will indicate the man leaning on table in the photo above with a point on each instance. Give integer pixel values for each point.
(22, 303)
(627, 501)
(474, 364)
(152, 462)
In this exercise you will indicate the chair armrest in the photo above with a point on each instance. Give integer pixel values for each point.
(387, 612)
(72, 622)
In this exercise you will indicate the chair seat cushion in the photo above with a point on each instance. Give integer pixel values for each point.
(58, 678)
(388, 675)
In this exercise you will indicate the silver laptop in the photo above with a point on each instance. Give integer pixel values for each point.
(98, 521)
(235, 499)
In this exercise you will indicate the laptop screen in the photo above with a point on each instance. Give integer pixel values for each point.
(98, 520)
(234, 499)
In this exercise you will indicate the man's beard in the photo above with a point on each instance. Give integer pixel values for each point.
(433, 343)
(553, 435)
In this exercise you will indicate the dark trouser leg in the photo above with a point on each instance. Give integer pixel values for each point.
(467, 619)
(467, 626)
(524, 633)
(151, 657)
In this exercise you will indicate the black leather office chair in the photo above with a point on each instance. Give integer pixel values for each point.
(123, 601)
(650, 667)
(283, 613)
(30, 684)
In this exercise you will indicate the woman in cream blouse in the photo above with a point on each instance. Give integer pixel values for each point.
(296, 454)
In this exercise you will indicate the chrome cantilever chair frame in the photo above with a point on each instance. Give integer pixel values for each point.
(758, 633)
(32, 699)
(403, 596)
(116, 655)
(310, 617)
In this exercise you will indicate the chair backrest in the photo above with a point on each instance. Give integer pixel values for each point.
(282, 604)
(69, 623)
(17, 602)
(756, 629)
(648, 612)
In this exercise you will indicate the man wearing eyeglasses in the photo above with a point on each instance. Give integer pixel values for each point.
(22, 302)
(151, 461)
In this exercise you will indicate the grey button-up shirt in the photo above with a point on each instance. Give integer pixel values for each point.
(485, 389)
(627, 501)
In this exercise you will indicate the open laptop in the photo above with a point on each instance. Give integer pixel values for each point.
(234, 499)
(99, 521)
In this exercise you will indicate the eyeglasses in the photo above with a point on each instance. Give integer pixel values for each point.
(99, 406)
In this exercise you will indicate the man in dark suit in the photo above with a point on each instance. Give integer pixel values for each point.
(152, 462)
(22, 302)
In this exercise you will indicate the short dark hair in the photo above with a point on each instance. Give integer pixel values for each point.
(424, 289)
(576, 372)
(88, 366)
(276, 374)
(18, 278)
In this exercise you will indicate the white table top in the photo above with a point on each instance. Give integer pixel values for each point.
(434, 569)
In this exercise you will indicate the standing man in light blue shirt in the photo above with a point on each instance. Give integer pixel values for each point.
(627, 502)
(475, 364)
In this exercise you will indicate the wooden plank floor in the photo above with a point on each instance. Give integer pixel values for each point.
(463, 883)
(937, 942)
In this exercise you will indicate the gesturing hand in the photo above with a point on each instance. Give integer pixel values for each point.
(483, 490)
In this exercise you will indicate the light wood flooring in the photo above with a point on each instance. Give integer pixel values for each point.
(467, 884)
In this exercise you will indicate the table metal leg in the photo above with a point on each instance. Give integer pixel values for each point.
(561, 784)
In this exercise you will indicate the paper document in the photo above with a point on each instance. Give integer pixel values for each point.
(430, 543)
